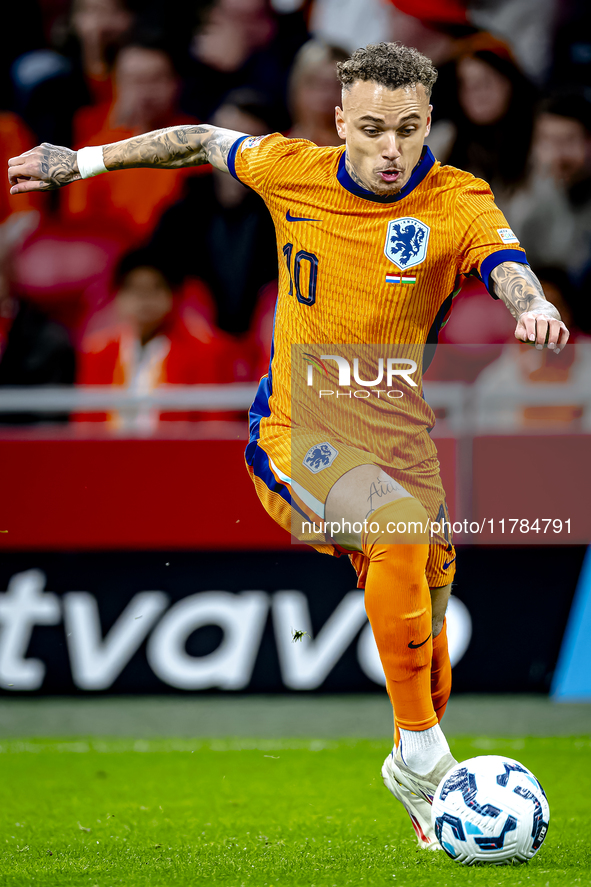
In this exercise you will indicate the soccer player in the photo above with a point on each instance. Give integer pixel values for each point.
(372, 238)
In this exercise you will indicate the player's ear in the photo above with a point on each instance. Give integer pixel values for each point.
(428, 126)
(340, 122)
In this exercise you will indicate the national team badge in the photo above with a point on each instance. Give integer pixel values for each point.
(406, 242)
(320, 456)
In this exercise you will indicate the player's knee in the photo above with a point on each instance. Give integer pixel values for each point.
(403, 522)
(398, 539)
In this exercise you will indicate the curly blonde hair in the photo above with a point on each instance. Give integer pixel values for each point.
(390, 64)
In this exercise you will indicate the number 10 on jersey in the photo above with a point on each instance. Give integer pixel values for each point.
(304, 275)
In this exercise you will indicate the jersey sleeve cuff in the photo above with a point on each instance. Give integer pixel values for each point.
(497, 258)
(231, 161)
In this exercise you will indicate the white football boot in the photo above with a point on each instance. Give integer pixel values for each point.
(417, 808)
(425, 785)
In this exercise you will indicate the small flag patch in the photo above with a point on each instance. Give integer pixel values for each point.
(401, 278)
(507, 235)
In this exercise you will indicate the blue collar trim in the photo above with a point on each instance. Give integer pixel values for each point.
(424, 166)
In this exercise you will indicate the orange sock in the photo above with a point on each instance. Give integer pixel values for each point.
(440, 678)
(398, 605)
(440, 673)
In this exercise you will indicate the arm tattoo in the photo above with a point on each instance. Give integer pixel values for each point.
(219, 147)
(173, 148)
(519, 288)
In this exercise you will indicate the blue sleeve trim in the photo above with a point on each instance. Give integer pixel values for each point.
(231, 161)
(491, 262)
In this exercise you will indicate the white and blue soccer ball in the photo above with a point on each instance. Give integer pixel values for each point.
(490, 809)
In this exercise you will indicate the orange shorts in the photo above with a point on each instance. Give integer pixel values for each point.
(294, 477)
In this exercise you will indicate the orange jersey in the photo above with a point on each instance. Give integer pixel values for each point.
(358, 269)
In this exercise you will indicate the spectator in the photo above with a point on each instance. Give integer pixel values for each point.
(98, 28)
(562, 146)
(221, 231)
(243, 43)
(51, 83)
(494, 111)
(314, 92)
(152, 343)
(147, 88)
(552, 217)
(33, 349)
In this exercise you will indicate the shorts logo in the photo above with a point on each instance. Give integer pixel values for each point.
(251, 142)
(406, 242)
(507, 235)
(320, 456)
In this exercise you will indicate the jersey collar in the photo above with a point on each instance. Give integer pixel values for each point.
(418, 174)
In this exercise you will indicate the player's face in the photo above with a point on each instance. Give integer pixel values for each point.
(384, 130)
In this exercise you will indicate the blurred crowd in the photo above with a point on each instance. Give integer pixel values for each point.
(148, 277)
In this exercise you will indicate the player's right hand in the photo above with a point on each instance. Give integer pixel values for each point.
(43, 168)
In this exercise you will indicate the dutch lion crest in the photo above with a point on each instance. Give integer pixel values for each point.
(320, 456)
(406, 242)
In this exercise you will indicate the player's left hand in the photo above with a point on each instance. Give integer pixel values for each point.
(541, 330)
(43, 168)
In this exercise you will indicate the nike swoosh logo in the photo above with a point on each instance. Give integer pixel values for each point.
(416, 646)
(291, 218)
(449, 563)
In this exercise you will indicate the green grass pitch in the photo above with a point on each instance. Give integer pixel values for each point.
(267, 812)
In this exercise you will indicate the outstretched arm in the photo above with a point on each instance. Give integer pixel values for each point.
(538, 321)
(47, 167)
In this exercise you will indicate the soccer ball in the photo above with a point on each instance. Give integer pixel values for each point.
(490, 809)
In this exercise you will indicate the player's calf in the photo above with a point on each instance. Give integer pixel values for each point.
(398, 604)
(395, 539)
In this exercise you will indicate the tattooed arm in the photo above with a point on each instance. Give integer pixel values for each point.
(538, 321)
(50, 166)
